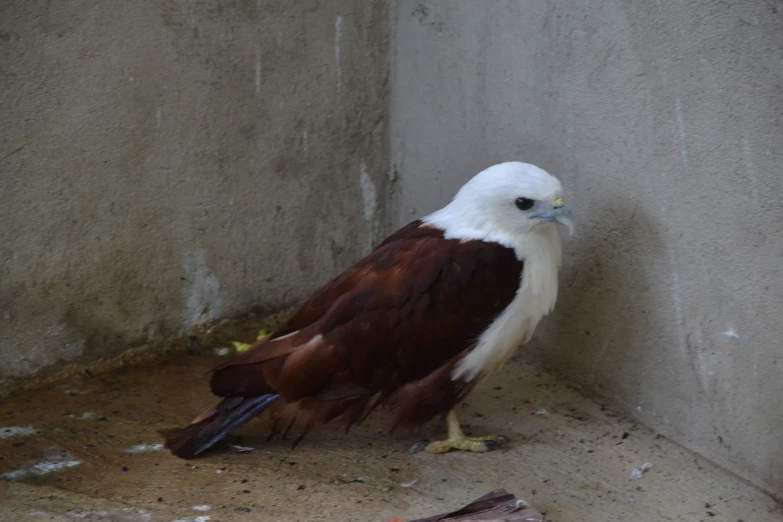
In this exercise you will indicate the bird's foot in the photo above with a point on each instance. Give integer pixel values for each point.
(472, 444)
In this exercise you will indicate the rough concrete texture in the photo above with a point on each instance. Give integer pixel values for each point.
(94, 452)
(663, 119)
(167, 163)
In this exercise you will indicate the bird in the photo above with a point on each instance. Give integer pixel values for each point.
(414, 326)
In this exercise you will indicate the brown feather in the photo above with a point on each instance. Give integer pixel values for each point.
(495, 506)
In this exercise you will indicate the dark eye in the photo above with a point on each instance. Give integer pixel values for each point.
(524, 203)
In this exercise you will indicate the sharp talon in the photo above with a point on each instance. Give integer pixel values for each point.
(491, 444)
(502, 439)
(418, 446)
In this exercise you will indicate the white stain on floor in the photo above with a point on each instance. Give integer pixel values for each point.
(144, 448)
(13, 432)
(637, 473)
(56, 462)
(240, 449)
(89, 415)
(130, 514)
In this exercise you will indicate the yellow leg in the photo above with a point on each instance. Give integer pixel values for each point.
(458, 441)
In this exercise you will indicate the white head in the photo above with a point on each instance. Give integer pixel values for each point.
(505, 200)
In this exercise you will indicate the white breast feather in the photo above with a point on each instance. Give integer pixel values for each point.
(536, 296)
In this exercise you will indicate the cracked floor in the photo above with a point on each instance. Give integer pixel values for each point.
(91, 454)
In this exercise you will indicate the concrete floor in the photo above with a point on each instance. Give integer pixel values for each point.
(568, 457)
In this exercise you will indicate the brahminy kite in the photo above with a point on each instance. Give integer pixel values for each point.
(433, 310)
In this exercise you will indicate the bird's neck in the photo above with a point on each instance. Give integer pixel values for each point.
(463, 222)
(540, 243)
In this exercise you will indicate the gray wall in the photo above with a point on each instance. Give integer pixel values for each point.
(169, 163)
(665, 122)
(166, 163)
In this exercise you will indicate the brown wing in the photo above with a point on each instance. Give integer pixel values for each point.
(390, 327)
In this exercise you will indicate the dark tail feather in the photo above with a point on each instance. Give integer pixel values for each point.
(212, 425)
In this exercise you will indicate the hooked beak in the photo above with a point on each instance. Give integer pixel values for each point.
(559, 214)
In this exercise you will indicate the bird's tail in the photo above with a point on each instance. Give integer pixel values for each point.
(214, 424)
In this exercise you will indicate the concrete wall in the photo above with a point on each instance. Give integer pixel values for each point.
(170, 163)
(665, 122)
(166, 163)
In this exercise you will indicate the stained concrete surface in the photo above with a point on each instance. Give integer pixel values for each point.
(663, 120)
(169, 163)
(568, 456)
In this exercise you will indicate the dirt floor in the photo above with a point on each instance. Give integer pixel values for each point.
(86, 449)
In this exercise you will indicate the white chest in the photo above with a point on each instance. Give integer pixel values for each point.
(535, 297)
